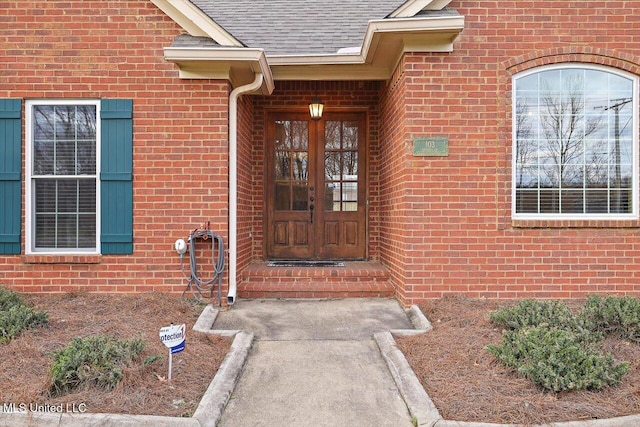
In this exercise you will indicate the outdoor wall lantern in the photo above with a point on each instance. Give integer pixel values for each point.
(315, 108)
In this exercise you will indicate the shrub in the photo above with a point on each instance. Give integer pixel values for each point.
(9, 299)
(15, 316)
(613, 315)
(92, 361)
(557, 359)
(532, 313)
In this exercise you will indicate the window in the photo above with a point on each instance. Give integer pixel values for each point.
(575, 143)
(62, 176)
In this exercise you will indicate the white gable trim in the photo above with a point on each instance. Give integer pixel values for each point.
(196, 22)
(412, 7)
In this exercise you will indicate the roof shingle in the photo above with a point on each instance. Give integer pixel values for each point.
(297, 27)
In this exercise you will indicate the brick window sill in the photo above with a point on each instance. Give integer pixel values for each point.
(62, 259)
(548, 223)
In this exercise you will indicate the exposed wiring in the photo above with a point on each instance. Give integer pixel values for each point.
(197, 286)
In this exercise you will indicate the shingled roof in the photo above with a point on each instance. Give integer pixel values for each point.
(304, 39)
(297, 27)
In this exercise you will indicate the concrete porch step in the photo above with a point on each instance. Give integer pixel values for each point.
(361, 279)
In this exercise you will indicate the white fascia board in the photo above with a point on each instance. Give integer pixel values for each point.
(196, 22)
(435, 24)
(376, 27)
(412, 7)
(325, 59)
(437, 5)
(221, 63)
(176, 54)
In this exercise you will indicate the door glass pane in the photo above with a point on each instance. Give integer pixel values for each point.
(332, 197)
(300, 196)
(350, 196)
(350, 165)
(301, 166)
(350, 136)
(282, 200)
(283, 165)
(299, 135)
(332, 165)
(291, 164)
(332, 135)
(282, 142)
(341, 166)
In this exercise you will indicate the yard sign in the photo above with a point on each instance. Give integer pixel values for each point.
(174, 337)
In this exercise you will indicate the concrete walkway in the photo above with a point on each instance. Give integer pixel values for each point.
(315, 363)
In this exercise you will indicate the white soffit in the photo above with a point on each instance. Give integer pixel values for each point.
(412, 7)
(238, 65)
(196, 22)
(384, 43)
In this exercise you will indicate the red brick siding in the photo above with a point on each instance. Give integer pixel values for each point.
(113, 49)
(441, 225)
(246, 182)
(465, 240)
(392, 158)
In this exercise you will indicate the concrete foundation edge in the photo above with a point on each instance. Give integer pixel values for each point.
(219, 392)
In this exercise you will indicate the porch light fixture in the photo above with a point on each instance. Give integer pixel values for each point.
(315, 108)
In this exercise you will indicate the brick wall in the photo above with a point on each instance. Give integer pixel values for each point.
(460, 235)
(441, 225)
(392, 156)
(247, 180)
(113, 49)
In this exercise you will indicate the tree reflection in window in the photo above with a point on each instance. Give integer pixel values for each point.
(64, 176)
(341, 166)
(574, 142)
(291, 165)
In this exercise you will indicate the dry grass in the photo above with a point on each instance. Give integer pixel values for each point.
(25, 361)
(467, 384)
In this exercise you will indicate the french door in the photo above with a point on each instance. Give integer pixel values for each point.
(315, 204)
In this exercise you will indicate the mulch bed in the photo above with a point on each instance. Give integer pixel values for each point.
(466, 382)
(25, 361)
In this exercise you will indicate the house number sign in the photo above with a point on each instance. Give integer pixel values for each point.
(431, 146)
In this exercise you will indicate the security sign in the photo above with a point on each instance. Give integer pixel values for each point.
(174, 337)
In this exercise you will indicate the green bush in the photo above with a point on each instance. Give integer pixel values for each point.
(530, 313)
(15, 316)
(93, 361)
(556, 349)
(613, 315)
(9, 299)
(557, 359)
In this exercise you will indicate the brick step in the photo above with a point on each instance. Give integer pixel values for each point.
(357, 279)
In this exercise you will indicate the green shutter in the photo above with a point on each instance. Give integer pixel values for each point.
(10, 171)
(116, 176)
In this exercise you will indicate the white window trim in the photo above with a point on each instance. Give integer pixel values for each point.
(30, 196)
(636, 178)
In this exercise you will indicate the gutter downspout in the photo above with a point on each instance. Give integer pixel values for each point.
(233, 180)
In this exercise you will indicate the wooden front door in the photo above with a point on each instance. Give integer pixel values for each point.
(316, 185)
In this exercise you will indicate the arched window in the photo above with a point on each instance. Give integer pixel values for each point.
(575, 143)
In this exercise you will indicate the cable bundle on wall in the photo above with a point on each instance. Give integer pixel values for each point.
(198, 287)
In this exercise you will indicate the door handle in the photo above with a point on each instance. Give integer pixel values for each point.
(311, 208)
